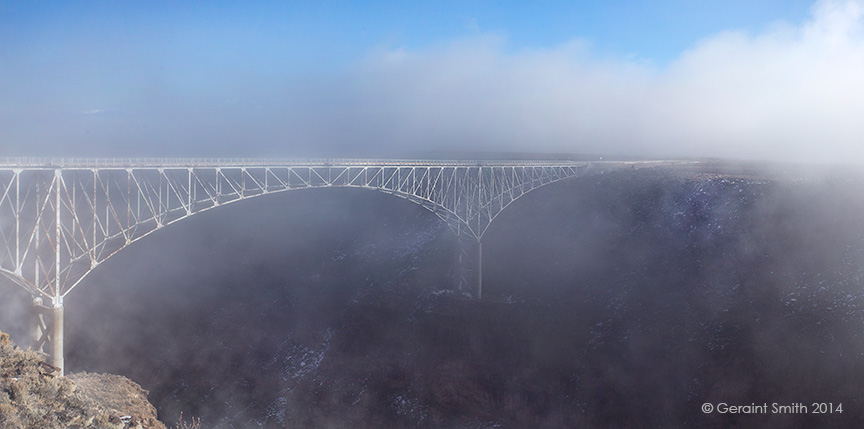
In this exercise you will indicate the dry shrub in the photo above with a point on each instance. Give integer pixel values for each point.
(194, 424)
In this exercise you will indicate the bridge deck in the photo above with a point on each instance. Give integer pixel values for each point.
(122, 163)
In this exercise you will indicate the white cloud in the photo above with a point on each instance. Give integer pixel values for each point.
(789, 92)
(792, 91)
(100, 112)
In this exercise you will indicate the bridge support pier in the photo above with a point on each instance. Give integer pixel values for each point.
(46, 331)
(479, 269)
(57, 338)
(470, 269)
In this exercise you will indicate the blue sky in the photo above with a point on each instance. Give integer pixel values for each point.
(164, 78)
(292, 31)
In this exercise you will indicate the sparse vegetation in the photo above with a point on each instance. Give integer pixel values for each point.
(31, 396)
(194, 424)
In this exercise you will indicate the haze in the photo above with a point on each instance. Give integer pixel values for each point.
(776, 81)
(631, 298)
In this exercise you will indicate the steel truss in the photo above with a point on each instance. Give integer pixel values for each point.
(61, 218)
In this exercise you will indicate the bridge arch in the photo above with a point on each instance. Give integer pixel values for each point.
(69, 218)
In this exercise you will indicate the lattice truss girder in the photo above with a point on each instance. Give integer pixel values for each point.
(57, 224)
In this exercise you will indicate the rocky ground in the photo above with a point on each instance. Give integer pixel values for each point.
(33, 396)
(627, 299)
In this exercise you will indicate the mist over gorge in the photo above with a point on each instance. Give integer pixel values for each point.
(618, 299)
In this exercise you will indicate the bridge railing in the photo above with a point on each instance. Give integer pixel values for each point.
(88, 163)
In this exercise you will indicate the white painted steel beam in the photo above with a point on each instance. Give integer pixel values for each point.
(60, 218)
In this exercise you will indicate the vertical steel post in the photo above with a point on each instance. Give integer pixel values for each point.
(36, 331)
(479, 233)
(57, 301)
(17, 179)
(189, 191)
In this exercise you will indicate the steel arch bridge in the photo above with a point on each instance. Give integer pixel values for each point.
(60, 218)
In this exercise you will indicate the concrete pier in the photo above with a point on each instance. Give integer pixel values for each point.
(57, 337)
(47, 337)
